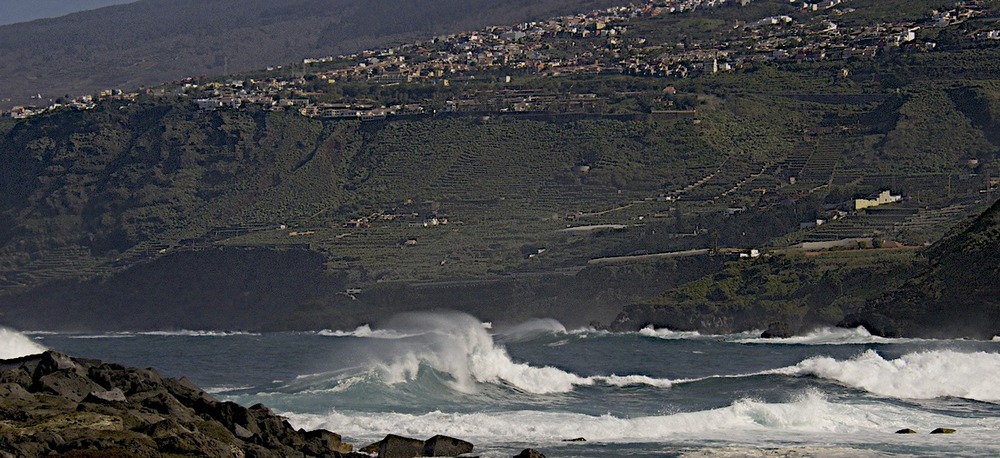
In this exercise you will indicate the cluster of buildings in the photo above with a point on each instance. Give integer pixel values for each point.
(593, 43)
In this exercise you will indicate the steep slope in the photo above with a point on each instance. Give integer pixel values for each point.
(956, 294)
(152, 41)
(14, 11)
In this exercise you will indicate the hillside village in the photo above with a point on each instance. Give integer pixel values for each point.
(554, 69)
(597, 43)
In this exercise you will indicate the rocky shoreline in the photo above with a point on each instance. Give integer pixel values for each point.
(52, 404)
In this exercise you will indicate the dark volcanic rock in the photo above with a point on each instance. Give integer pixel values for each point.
(446, 446)
(394, 446)
(777, 330)
(530, 453)
(52, 404)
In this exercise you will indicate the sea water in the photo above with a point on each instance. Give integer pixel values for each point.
(833, 392)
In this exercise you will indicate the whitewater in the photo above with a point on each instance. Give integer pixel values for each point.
(655, 392)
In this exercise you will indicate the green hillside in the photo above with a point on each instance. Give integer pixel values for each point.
(956, 293)
(492, 161)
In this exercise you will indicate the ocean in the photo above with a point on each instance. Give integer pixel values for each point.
(833, 392)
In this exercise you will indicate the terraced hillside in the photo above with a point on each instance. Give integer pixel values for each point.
(516, 174)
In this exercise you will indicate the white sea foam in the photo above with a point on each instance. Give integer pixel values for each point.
(922, 375)
(457, 345)
(829, 336)
(668, 334)
(365, 331)
(196, 333)
(808, 416)
(180, 333)
(226, 388)
(15, 345)
(113, 335)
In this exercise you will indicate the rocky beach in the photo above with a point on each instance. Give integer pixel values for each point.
(52, 404)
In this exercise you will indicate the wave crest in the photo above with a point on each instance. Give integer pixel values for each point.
(923, 375)
(458, 346)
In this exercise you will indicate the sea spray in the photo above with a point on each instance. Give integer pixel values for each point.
(459, 346)
(14, 344)
(922, 375)
(529, 330)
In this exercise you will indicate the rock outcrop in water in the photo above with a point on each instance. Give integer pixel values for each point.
(52, 404)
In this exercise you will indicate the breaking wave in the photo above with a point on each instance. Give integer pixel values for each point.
(460, 348)
(15, 345)
(830, 336)
(744, 421)
(922, 375)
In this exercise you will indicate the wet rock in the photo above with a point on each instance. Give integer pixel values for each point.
(777, 330)
(943, 431)
(576, 439)
(321, 439)
(446, 446)
(394, 446)
(530, 453)
(129, 412)
(906, 431)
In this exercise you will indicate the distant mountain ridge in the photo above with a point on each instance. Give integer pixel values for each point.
(15, 11)
(153, 41)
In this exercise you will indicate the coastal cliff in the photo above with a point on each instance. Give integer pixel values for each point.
(955, 295)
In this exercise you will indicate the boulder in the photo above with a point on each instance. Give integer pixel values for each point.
(111, 396)
(14, 394)
(446, 446)
(777, 330)
(943, 431)
(394, 446)
(17, 376)
(66, 383)
(530, 453)
(906, 431)
(320, 440)
(164, 428)
(160, 401)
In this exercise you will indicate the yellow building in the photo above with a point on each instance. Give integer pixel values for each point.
(884, 197)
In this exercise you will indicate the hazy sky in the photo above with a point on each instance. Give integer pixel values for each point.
(13, 11)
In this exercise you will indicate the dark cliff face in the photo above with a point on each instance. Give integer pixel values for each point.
(778, 294)
(956, 294)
